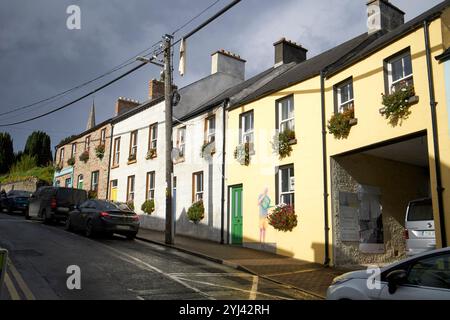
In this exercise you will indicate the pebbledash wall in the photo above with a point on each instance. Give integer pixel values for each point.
(80, 174)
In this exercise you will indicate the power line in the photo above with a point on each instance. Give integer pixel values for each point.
(198, 15)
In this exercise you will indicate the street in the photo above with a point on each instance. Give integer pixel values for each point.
(116, 268)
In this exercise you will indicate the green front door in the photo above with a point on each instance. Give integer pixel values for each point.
(236, 215)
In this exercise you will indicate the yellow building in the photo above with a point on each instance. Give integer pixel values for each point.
(350, 189)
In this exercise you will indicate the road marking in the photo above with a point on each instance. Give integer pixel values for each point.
(23, 286)
(237, 289)
(254, 289)
(288, 273)
(11, 288)
(136, 261)
(211, 274)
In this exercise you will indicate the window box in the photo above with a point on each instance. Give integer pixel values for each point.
(242, 153)
(132, 159)
(397, 104)
(151, 154)
(283, 142)
(208, 149)
(341, 123)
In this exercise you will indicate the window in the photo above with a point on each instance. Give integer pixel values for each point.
(344, 96)
(116, 155)
(210, 129)
(80, 181)
(285, 116)
(153, 137)
(94, 180)
(61, 156)
(181, 143)
(74, 150)
(431, 272)
(150, 195)
(103, 137)
(87, 143)
(286, 185)
(399, 72)
(57, 183)
(133, 145)
(197, 182)
(246, 126)
(130, 188)
(68, 183)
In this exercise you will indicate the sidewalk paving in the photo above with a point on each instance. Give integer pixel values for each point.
(312, 278)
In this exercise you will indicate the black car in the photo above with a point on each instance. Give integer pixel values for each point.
(54, 203)
(15, 200)
(105, 217)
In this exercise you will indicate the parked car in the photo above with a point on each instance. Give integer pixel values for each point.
(102, 216)
(422, 277)
(15, 200)
(419, 227)
(54, 203)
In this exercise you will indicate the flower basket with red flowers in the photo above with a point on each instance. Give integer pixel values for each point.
(283, 218)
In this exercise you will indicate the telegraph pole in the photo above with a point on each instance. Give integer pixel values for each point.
(169, 143)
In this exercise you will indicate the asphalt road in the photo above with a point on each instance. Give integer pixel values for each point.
(116, 268)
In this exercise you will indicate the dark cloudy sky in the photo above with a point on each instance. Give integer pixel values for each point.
(40, 57)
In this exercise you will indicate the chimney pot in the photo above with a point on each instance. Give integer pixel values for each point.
(287, 51)
(124, 105)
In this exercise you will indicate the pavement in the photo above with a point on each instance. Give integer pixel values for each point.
(311, 278)
(42, 258)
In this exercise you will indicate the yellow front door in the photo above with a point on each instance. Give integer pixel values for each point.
(114, 190)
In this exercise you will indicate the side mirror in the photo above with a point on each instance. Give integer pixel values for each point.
(395, 279)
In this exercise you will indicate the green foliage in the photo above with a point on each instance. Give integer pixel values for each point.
(396, 104)
(42, 173)
(92, 194)
(339, 124)
(130, 205)
(25, 163)
(84, 156)
(71, 161)
(6, 153)
(100, 151)
(283, 143)
(38, 144)
(283, 218)
(196, 212)
(148, 206)
(151, 154)
(242, 154)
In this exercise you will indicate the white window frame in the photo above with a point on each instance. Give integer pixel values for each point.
(247, 132)
(198, 192)
(151, 176)
(134, 143)
(80, 180)
(74, 150)
(131, 188)
(345, 105)
(61, 155)
(291, 191)
(103, 136)
(153, 136)
(210, 133)
(182, 141)
(406, 77)
(289, 122)
(87, 143)
(95, 182)
(116, 157)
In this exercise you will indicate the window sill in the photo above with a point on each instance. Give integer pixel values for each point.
(115, 167)
(353, 122)
(181, 160)
(292, 142)
(131, 162)
(411, 101)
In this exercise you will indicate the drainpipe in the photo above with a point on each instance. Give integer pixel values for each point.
(437, 157)
(222, 209)
(109, 161)
(325, 172)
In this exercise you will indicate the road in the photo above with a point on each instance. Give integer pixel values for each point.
(116, 268)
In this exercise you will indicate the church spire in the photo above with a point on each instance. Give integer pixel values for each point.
(91, 119)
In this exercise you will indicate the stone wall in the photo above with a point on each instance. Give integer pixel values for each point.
(399, 183)
(30, 185)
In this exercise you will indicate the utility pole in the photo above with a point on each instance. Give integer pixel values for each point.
(169, 143)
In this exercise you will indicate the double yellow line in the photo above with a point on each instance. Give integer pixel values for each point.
(10, 286)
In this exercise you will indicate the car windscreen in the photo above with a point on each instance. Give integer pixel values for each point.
(112, 206)
(420, 211)
(17, 193)
(72, 195)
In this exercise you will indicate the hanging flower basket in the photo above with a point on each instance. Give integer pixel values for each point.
(396, 105)
(148, 206)
(208, 149)
(196, 212)
(84, 156)
(151, 154)
(71, 161)
(132, 158)
(242, 154)
(100, 151)
(283, 218)
(282, 143)
(58, 167)
(340, 124)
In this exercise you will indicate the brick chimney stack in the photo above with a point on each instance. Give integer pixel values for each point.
(155, 89)
(124, 105)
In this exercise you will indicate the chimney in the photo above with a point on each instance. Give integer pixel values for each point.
(124, 105)
(229, 63)
(155, 89)
(383, 15)
(287, 51)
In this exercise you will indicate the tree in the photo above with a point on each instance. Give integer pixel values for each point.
(39, 145)
(6, 152)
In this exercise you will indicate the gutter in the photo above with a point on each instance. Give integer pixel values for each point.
(437, 157)
(109, 161)
(222, 208)
(325, 171)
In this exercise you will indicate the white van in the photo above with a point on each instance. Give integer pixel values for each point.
(419, 227)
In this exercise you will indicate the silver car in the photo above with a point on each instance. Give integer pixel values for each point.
(419, 227)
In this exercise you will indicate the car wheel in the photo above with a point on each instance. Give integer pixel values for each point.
(68, 225)
(89, 231)
(131, 236)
